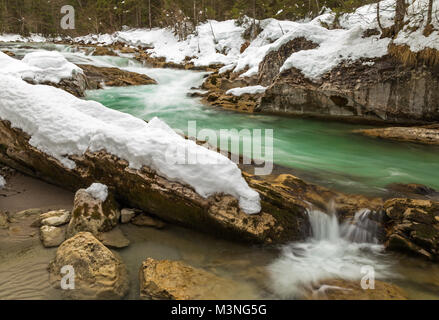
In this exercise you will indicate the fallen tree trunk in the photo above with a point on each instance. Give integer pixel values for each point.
(280, 220)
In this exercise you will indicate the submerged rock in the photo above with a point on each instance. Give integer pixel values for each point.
(413, 227)
(4, 222)
(127, 214)
(113, 77)
(52, 236)
(351, 290)
(92, 214)
(99, 273)
(143, 220)
(114, 239)
(174, 280)
(104, 51)
(424, 135)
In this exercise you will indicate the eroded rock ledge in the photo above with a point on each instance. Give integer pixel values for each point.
(113, 77)
(423, 135)
(281, 219)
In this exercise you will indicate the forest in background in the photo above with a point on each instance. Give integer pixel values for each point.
(106, 16)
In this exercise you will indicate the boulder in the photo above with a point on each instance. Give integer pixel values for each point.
(114, 239)
(114, 77)
(92, 214)
(54, 218)
(104, 51)
(127, 214)
(413, 227)
(4, 222)
(52, 236)
(368, 90)
(423, 135)
(143, 220)
(174, 280)
(337, 289)
(99, 273)
(77, 85)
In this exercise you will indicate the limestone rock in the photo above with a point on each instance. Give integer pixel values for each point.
(93, 215)
(126, 215)
(173, 202)
(52, 236)
(422, 135)
(174, 280)
(413, 227)
(114, 239)
(3, 220)
(351, 290)
(142, 220)
(114, 77)
(103, 51)
(99, 273)
(55, 218)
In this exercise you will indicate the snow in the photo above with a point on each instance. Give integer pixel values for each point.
(39, 67)
(98, 191)
(7, 37)
(246, 90)
(2, 182)
(206, 48)
(416, 20)
(62, 125)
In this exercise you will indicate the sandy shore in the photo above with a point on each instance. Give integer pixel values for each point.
(24, 192)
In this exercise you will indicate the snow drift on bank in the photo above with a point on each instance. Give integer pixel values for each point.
(60, 125)
(39, 67)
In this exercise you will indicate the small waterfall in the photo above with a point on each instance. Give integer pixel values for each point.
(334, 251)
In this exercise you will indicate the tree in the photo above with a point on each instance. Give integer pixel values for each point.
(399, 15)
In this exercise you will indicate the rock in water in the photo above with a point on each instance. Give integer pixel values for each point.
(55, 218)
(126, 215)
(174, 280)
(114, 239)
(3, 220)
(92, 214)
(52, 236)
(413, 227)
(337, 289)
(99, 273)
(143, 220)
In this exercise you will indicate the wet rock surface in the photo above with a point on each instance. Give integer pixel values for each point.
(423, 135)
(52, 236)
(279, 221)
(113, 77)
(93, 215)
(99, 273)
(174, 280)
(352, 290)
(413, 227)
(143, 220)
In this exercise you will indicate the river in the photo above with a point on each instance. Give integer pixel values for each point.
(324, 152)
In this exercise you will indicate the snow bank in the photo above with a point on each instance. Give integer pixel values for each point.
(61, 125)
(98, 191)
(215, 43)
(7, 37)
(2, 182)
(39, 66)
(416, 21)
(249, 90)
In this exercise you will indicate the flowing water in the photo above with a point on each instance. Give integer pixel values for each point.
(324, 152)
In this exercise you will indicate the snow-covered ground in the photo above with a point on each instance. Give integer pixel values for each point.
(40, 66)
(416, 21)
(61, 125)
